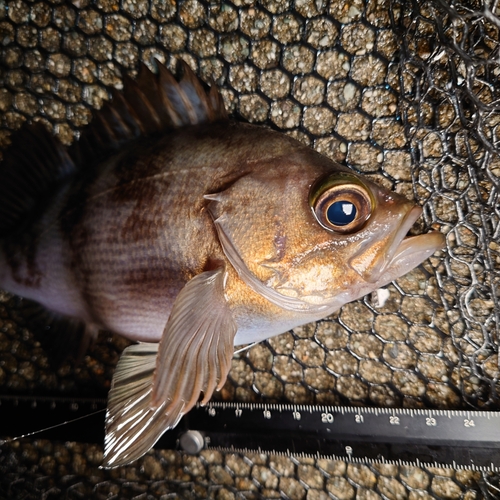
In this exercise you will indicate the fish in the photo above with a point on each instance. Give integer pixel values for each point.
(190, 233)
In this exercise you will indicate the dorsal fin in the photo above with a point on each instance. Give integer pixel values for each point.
(33, 166)
(150, 104)
(36, 161)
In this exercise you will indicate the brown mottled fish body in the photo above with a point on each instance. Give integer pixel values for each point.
(117, 245)
(190, 235)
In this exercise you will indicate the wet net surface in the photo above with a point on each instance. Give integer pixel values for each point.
(406, 93)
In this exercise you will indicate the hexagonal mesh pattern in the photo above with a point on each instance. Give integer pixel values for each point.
(406, 93)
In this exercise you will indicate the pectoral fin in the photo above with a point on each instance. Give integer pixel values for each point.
(154, 386)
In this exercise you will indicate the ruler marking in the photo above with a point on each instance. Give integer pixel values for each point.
(362, 460)
(46, 405)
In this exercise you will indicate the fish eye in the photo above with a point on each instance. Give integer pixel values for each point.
(341, 203)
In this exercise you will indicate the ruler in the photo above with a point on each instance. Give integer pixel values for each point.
(457, 439)
(438, 438)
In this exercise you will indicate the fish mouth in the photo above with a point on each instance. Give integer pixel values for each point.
(407, 252)
(404, 252)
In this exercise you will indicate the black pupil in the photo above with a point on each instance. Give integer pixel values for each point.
(341, 213)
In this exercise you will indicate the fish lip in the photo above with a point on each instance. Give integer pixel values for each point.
(428, 244)
(376, 268)
(397, 241)
(402, 253)
(401, 234)
(407, 252)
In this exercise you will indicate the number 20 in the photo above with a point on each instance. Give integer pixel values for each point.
(326, 418)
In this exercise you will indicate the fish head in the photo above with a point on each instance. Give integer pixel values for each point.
(319, 236)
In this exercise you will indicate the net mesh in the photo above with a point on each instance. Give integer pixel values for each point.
(404, 92)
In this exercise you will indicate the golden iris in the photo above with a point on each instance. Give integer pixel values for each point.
(341, 202)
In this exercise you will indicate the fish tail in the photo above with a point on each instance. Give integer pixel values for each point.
(33, 168)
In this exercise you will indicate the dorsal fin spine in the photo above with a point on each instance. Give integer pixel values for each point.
(198, 98)
(151, 104)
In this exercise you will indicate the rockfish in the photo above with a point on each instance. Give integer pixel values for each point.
(190, 233)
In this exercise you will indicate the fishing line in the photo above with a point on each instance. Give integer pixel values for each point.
(243, 349)
(29, 434)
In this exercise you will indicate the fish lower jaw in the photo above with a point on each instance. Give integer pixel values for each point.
(397, 253)
(411, 252)
(418, 248)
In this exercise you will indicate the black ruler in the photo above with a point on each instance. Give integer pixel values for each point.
(450, 438)
(459, 439)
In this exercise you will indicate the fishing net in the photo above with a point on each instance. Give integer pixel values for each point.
(404, 92)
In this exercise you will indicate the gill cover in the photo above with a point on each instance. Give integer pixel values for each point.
(253, 218)
(279, 246)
